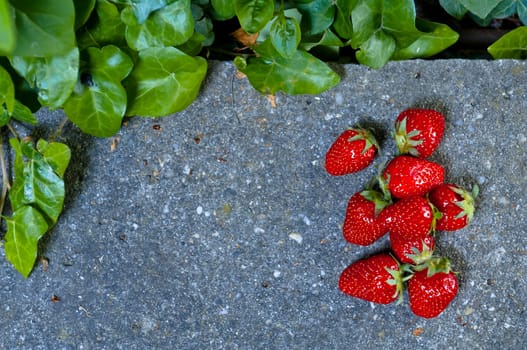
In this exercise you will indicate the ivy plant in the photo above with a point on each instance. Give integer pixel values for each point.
(102, 60)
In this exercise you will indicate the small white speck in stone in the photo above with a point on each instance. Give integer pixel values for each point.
(166, 210)
(488, 164)
(207, 213)
(259, 230)
(277, 273)
(478, 116)
(503, 201)
(522, 138)
(481, 179)
(297, 237)
(135, 226)
(305, 219)
(199, 210)
(338, 98)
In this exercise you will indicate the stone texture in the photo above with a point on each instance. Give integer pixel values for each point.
(218, 228)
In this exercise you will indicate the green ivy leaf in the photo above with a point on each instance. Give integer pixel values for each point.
(504, 9)
(7, 92)
(342, 23)
(163, 81)
(7, 28)
(328, 38)
(83, 10)
(56, 154)
(54, 76)
(105, 27)
(317, 16)
(511, 45)
(480, 8)
(98, 103)
(223, 9)
(254, 14)
(170, 25)
(302, 73)
(44, 28)
(23, 114)
(143, 8)
(454, 8)
(431, 39)
(377, 50)
(521, 8)
(24, 230)
(285, 35)
(36, 183)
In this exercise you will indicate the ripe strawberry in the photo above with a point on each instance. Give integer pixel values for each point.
(411, 218)
(376, 279)
(419, 131)
(352, 151)
(412, 251)
(361, 225)
(407, 176)
(455, 204)
(432, 289)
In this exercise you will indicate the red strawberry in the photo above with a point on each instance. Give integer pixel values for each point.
(419, 131)
(361, 225)
(455, 204)
(407, 176)
(376, 279)
(352, 151)
(430, 292)
(411, 218)
(412, 251)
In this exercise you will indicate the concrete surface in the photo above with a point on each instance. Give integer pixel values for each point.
(218, 228)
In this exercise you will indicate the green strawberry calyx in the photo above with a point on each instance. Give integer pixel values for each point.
(420, 257)
(368, 137)
(405, 141)
(436, 264)
(467, 203)
(398, 278)
(377, 198)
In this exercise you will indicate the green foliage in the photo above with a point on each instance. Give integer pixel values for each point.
(37, 198)
(511, 45)
(102, 60)
(484, 11)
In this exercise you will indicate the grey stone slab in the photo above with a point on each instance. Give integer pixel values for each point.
(218, 228)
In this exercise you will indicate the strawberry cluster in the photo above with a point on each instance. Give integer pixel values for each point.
(410, 202)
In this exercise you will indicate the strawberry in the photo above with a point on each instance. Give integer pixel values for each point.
(376, 279)
(361, 225)
(431, 290)
(455, 204)
(407, 176)
(419, 131)
(410, 218)
(352, 151)
(412, 251)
